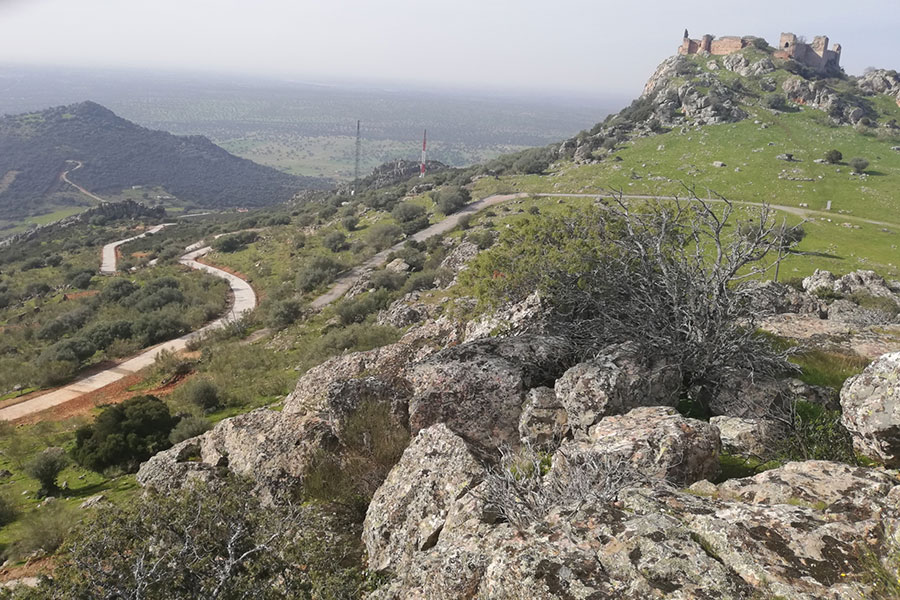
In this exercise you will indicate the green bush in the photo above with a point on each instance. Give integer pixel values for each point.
(775, 102)
(465, 222)
(350, 222)
(383, 235)
(407, 211)
(833, 157)
(483, 238)
(334, 241)
(451, 199)
(202, 394)
(8, 512)
(389, 280)
(818, 435)
(357, 309)
(317, 271)
(284, 313)
(204, 539)
(859, 165)
(117, 290)
(124, 435)
(235, 241)
(189, 427)
(45, 468)
(42, 530)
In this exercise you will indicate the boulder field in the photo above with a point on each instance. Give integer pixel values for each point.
(618, 495)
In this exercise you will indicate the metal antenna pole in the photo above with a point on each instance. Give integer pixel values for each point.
(424, 154)
(356, 166)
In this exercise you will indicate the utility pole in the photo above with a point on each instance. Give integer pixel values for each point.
(424, 154)
(356, 165)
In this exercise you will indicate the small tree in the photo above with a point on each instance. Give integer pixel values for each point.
(124, 435)
(334, 241)
(859, 165)
(833, 157)
(46, 467)
(350, 222)
(451, 199)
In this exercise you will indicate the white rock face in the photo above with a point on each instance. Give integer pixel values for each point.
(870, 404)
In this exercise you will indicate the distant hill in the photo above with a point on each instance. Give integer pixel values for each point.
(36, 148)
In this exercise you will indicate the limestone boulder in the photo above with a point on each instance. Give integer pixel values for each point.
(477, 388)
(619, 379)
(406, 311)
(656, 441)
(408, 512)
(759, 438)
(870, 405)
(543, 421)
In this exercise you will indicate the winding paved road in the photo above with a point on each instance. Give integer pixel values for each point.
(244, 300)
(108, 255)
(65, 177)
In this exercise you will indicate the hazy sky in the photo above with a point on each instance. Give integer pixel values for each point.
(591, 46)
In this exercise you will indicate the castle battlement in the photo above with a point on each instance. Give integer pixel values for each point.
(816, 55)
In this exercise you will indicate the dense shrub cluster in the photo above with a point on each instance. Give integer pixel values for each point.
(124, 435)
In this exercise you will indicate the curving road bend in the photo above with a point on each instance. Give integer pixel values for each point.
(243, 301)
(108, 256)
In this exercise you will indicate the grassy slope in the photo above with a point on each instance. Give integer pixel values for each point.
(664, 164)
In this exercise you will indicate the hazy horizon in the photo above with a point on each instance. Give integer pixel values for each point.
(590, 48)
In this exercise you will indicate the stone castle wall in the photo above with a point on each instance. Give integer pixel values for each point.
(816, 55)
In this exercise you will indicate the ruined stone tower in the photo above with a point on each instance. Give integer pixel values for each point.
(816, 56)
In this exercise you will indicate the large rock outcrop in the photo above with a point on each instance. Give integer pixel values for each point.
(806, 531)
(408, 511)
(477, 388)
(657, 441)
(619, 379)
(870, 405)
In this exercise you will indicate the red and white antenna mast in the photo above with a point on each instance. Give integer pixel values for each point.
(424, 153)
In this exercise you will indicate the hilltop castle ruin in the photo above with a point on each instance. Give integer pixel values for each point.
(816, 56)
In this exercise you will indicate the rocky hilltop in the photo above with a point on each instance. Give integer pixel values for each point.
(504, 466)
(702, 89)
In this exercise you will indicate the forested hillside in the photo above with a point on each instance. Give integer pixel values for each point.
(117, 154)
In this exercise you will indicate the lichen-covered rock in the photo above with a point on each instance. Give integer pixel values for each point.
(527, 316)
(750, 437)
(831, 486)
(845, 311)
(348, 401)
(477, 388)
(407, 311)
(772, 298)
(455, 262)
(656, 441)
(275, 450)
(749, 397)
(819, 281)
(309, 395)
(619, 379)
(543, 419)
(870, 404)
(170, 470)
(408, 511)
